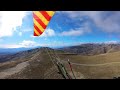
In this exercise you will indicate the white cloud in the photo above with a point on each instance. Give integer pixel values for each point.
(9, 20)
(24, 43)
(75, 32)
(72, 33)
(26, 30)
(32, 36)
(108, 21)
(10, 46)
(20, 33)
(111, 42)
(48, 33)
(28, 43)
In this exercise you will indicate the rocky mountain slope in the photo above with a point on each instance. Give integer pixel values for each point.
(103, 62)
(92, 49)
(31, 64)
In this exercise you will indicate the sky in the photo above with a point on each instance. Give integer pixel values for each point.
(66, 28)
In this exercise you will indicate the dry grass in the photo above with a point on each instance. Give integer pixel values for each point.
(96, 59)
(100, 71)
(40, 66)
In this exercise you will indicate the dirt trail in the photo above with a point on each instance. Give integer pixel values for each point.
(93, 64)
(13, 70)
(96, 64)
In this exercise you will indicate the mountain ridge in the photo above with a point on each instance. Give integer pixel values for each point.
(92, 48)
(37, 64)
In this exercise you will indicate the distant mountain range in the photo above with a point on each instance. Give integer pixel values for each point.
(12, 50)
(19, 53)
(92, 48)
(83, 49)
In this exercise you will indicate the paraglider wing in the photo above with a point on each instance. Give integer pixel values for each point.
(41, 19)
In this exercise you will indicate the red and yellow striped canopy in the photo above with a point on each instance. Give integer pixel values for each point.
(41, 20)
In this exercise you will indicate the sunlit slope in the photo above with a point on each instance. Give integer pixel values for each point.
(97, 66)
(32, 64)
(36, 64)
